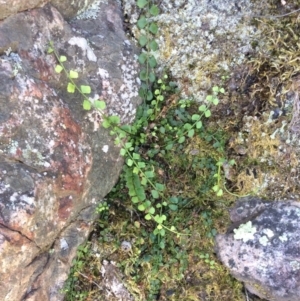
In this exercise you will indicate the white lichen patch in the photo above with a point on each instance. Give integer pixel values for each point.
(245, 232)
(269, 233)
(86, 49)
(283, 237)
(105, 148)
(263, 240)
(63, 244)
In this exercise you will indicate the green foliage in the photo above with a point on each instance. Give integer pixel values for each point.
(71, 288)
(148, 43)
(72, 86)
(152, 146)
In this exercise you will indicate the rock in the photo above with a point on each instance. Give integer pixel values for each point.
(262, 248)
(112, 283)
(70, 9)
(199, 41)
(11, 7)
(66, 8)
(56, 161)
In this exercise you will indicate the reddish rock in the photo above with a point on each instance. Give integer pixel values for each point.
(56, 161)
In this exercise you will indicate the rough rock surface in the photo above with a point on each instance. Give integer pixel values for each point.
(56, 161)
(67, 8)
(200, 39)
(261, 249)
(11, 7)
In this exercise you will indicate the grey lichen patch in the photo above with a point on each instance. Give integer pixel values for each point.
(295, 265)
(89, 12)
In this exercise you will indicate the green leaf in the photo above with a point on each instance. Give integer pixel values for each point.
(149, 95)
(220, 192)
(106, 123)
(174, 199)
(187, 126)
(123, 152)
(141, 207)
(181, 139)
(153, 28)
(144, 75)
(222, 90)
(85, 89)
(169, 146)
(202, 108)
(71, 88)
(58, 68)
(135, 199)
(73, 74)
(215, 188)
(162, 243)
(153, 45)
(142, 3)
(148, 217)
(191, 133)
(155, 194)
(100, 104)
(207, 113)
(195, 117)
(141, 164)
(142, 58)
(215, 101)
(154, 10)
(142, 22)
(129, 162)
(209, 98)
(151, 210)
(215, 89)
(149, 174)
(62, 58)
(86, 105)
(173, 207)
(199, 125)
(152, 62)
(144, 181)
(136, 156)
(159, 187)
(143, 40)
(114, 119)
(142, 90)
(152, 77)
(50, 50)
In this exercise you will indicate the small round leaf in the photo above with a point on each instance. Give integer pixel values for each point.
(143, 40)
(154, 10)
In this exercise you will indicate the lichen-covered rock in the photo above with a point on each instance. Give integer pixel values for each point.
(68, 9)
(261, 249)
(202, 40)
(11, 7)
(56, 161)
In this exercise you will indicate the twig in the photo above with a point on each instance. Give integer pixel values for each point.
(90, 280)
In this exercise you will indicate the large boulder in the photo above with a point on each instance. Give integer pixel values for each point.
(56, 161)
(261, 248)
